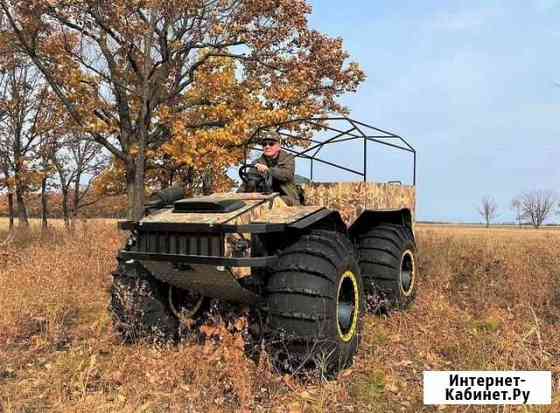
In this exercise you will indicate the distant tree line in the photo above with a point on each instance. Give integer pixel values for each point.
(532, 207)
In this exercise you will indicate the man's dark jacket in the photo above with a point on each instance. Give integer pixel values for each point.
(282, 169)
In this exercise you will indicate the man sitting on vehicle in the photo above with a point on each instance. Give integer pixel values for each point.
(281, 166)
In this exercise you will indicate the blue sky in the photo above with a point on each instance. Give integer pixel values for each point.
(471, 84)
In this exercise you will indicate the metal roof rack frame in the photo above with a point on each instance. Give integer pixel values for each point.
(356, 131)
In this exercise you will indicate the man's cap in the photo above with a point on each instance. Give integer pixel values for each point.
(269, 136)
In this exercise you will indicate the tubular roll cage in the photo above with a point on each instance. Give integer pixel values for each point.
(356, 131)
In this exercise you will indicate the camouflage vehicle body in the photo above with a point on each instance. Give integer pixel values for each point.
(307, 270)
(206, 240)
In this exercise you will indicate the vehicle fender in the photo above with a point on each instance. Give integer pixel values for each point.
(322, 219)
(370, 218)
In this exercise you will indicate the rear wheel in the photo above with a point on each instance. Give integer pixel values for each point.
(387, 258)
(315, 301)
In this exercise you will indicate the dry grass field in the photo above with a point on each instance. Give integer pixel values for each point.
(488, 300)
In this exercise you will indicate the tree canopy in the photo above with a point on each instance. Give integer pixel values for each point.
(185, 82)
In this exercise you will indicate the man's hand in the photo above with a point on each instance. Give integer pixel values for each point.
(263, 169)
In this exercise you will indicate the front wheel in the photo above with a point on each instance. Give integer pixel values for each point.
(315, 299)
(139, 306)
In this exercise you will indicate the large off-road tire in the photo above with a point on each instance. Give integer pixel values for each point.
(139, 306)
(315, 301)
(387, 258)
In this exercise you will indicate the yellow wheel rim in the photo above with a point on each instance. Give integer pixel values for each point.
(348, 298)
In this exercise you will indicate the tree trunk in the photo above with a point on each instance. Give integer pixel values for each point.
(23, 219)
(130, 190)
(207, 182)
(65, 211)
(75, 200)
(139, 182)
(11, 209)
(44, 205)
(136, 166)
(135, 187)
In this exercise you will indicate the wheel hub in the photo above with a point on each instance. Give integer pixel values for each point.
(345, 315)
(407, 272)
(184, 304)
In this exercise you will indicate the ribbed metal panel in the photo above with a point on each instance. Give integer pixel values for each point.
(181, 243)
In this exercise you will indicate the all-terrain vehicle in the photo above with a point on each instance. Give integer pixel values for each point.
(309, 270)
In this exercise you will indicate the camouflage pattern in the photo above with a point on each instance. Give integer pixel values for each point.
(255, 201)
(273, 202)
(352, 198)
(287, 215)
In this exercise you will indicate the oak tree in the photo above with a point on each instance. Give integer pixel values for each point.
(190, 80)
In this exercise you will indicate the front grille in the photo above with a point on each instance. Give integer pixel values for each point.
(180, 243)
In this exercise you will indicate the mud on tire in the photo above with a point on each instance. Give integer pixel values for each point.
(139, 306)
(315, 300)
(387, 258)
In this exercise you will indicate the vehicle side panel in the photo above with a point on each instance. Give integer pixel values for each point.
(351, 199)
